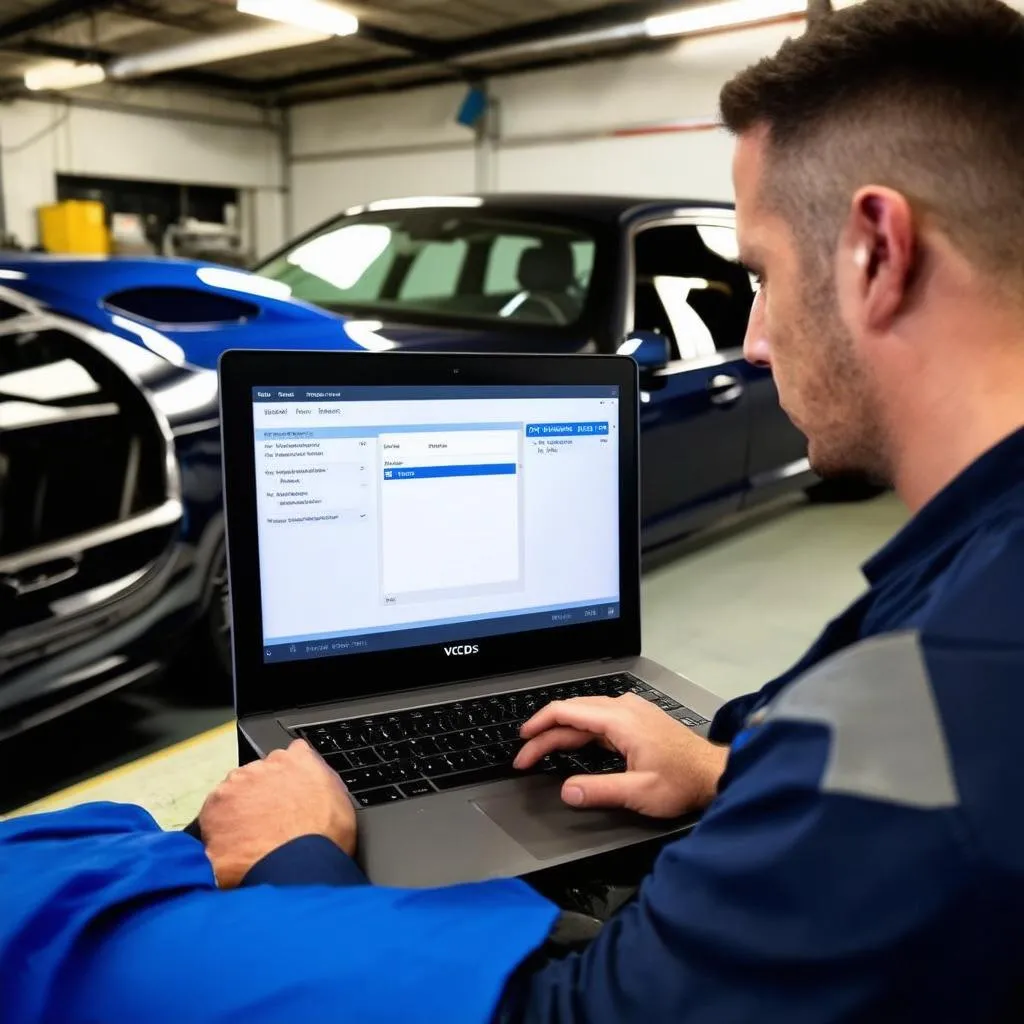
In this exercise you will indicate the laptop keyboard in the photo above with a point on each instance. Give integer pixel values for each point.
(386, 758)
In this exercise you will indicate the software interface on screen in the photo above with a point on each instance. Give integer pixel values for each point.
(398, 516)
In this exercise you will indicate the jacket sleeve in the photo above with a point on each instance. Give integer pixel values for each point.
(831, 881)
(103, 917)
(308, 860)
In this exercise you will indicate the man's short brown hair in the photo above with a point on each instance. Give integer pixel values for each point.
(923, 96)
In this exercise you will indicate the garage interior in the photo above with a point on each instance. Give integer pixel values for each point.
(206, 131)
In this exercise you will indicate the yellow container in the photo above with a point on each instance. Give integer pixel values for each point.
(74, 226)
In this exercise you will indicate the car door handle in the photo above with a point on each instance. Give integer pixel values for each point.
(724, 389)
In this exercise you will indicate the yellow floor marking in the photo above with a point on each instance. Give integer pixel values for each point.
(170, 783)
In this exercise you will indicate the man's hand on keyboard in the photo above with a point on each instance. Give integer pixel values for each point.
(670, 769)
(256, 809)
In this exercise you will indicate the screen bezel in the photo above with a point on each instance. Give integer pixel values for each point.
(261, 687)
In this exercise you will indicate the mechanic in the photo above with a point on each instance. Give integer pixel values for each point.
(862, 855)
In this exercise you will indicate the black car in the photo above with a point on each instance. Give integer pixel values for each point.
(565, 273)
(111, 516)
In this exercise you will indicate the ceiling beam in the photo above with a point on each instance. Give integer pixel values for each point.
(365, 67)
(548, 28)
(57, 51)
(50, 15)
(81, 55)
(427, 49)
(144, 12)
(434, 75)
(564, 25)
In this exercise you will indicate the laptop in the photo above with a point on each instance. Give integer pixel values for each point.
(424, 550)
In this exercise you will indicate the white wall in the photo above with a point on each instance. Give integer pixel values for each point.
(347, 151)
(559, 130)
(142, 135)
(568, 129)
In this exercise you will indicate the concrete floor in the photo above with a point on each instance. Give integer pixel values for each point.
(739, 606)
(730, 608)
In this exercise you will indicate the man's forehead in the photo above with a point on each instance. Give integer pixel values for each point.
(747, 171)
(749, 160)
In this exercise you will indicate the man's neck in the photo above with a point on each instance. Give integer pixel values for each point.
(966, 411)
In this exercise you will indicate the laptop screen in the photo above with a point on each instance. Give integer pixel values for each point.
(394, 517)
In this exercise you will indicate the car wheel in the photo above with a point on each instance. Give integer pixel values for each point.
(843, 489)
(203, 673)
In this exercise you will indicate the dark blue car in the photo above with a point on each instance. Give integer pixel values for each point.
(557, 273)
(111, 529)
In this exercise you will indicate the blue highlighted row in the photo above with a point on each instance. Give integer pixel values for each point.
(566, 429)
(433, 472)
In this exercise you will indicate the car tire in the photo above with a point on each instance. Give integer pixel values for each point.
(217, 620)
(843, 489)
(205, 669)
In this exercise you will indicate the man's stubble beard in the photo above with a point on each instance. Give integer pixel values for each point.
(845, 429)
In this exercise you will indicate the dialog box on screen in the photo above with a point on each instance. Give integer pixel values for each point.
(451, 520)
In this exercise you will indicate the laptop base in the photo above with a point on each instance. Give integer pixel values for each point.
(498, 829)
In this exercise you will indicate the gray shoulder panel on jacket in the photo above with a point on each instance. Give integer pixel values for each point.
(888, 742)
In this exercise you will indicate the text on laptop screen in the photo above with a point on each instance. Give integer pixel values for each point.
(395, 517)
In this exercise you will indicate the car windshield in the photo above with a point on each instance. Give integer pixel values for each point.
(445, 263)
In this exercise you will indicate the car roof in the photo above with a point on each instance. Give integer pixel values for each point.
(599, 207)
(607, 209)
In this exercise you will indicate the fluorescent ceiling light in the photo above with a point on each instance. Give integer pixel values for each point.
(212, 49)
(315, 15)
(63, 74)
(728, 14)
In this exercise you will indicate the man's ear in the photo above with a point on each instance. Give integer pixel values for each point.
(876, 257)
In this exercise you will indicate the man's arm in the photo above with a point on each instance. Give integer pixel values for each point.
(275, 819)
(307, 860)
(832, 880)
(104, 917)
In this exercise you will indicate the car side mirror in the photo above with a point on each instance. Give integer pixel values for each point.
(650, 351)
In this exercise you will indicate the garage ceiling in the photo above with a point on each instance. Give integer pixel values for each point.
(399, 42)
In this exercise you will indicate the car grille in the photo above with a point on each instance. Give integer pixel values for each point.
(86, 499)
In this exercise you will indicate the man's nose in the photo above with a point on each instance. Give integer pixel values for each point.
(756, 349)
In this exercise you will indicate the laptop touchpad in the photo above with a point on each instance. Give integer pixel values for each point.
(536, 818)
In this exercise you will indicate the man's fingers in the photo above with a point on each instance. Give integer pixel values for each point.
(562, 738)
(595, 715)
(623, 789)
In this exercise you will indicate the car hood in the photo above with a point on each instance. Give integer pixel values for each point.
(394, 334)
(185, 310)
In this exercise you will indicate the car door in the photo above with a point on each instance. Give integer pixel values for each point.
(695, 411)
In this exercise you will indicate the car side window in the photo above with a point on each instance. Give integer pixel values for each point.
(689, 288)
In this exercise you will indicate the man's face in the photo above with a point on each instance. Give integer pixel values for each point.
(797, 330)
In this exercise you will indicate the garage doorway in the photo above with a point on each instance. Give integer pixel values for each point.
(197, 221)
